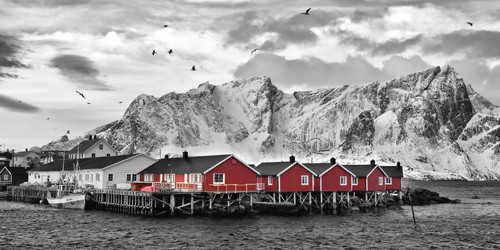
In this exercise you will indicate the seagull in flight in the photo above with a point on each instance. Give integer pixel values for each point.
(80, 93)
(88, 102)
(165, 26)
(253, 51)
(170, 51)
(48, 118)
(307, 12)
(469, 23)
(154, 52)
(193, 68)
(120, 101)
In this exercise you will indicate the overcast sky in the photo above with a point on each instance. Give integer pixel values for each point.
(49, 49)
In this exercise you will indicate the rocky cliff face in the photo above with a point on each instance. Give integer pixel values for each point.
(425, 120)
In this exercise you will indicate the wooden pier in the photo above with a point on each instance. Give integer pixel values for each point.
(207, 203)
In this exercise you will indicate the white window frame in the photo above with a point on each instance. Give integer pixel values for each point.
(306, 178)
(5, 177)
(134, 177)
(223, 178)
(381, 180)
(129, 177)
(343, 180)
(354, 180)
(98, 177)
(110, 177)
(86, 177)
(270, 180)
(388, 180)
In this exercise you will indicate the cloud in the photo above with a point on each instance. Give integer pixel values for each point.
(397, 66)
(80, 70)
(471, 43)
(297, 29)
(9, 48)
(16, 105)
(391, 46)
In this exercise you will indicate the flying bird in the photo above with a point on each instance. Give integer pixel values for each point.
(170, 51)
(80, 93)
(154, 52)
(307, 12)
(165, 26)
(253, 51)
(88, 102)
(120, 101)
(469, 23)
(48, 118)
(193, 68)
(67, 132)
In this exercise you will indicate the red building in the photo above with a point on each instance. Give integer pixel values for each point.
(215, 173)
(12, 176)
(283, 177)
(368, 177)
(393, 181)
(331, 177)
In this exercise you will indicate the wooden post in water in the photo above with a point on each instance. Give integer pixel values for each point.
(411, 204)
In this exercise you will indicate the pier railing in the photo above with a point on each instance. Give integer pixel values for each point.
(237, 188)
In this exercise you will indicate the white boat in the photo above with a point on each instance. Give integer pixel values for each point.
(67, 197)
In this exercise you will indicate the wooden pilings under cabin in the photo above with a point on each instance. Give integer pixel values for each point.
(205, 203)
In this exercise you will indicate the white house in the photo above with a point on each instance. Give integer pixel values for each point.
(99, 172)
(92, 147)
(23, 158)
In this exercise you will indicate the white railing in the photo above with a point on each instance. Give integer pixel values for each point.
(237, 188)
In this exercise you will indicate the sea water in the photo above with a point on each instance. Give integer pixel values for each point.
(474, 223)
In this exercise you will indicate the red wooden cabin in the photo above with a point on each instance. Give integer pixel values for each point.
(215, 173)
(286, 177)
(393, 181)
(369, 177)
(331, 177)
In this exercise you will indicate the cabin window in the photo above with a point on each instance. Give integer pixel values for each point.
(270, 180)
(110, 177)
(101, 146)
(354, 180)
(304, 180)
(97, 177)
(129, 177)
(194, 178)
(218, 178)
(343, 180)
(108, 154)
(388, 180)
(91, 177)
(134, 177)
(149, 177)
(93, 155)
(5, 177)
(86, 177)
(380, 181)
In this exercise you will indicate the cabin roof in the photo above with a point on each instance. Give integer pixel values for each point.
(16, 170)
(318, 168)
(359, 170)
(84, 163)
(24, 153)
(181, 165)
(393, 171)
(84, 146)
(273, 168)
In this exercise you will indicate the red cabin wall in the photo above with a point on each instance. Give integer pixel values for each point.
(269, 188)
(156, 177)
(396, 184)
(331, 180)
(361, 185)
(290, 181)
(373, 180)
(236, 173)
(317, 181)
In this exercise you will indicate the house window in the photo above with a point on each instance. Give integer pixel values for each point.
(194, 178)
(354, 180)
(304, 180)
(110, 177)
(149, 177)
(97, 177)
(388, 180)
(129, 177)
(343, 180)
(91, 177)
(108, 154)
(80, 177)
(218, 178)
(5, 177)
(101, 146)
(380, 181)
(134, 177)
(270, 180)
(93, 155)
(86, 177)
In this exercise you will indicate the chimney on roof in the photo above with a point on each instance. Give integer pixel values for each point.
(185, 155)
(90, 137)
(372, 163)
(292, 158)
(333, 161)
(398, 164)
(166, 156)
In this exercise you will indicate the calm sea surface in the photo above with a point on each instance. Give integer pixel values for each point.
(475, 223)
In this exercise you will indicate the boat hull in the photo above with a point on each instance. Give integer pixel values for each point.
(74, 201)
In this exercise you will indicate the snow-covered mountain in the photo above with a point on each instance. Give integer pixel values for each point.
(430, 121)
